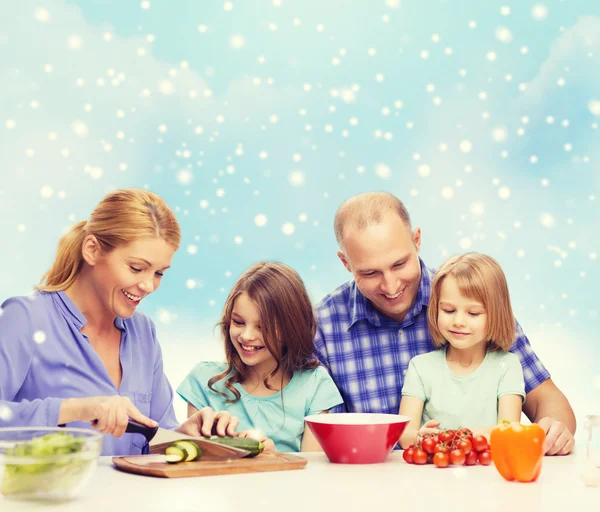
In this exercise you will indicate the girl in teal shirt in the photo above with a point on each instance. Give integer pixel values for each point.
(472, 380)
(270, 380)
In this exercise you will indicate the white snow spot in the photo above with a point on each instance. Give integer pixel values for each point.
(594, 106)
(145, 4)
(166, 87)
(477, 208)
(192, 249)
(539, 12)
(303, 217)
(220, 192)
(447, 192)
(288, 228)
(499, 134)
(74, 42)
(10, 124)
(185, 177)
(39, 337)
(6, 414)
(593, 256)
(504, 34)
(505, 10)
(504, 192)
(383, 171)
(465, 146)
(46, 191)
(424, 170)
(297, 178)
(392, 4)
(491, 56)
(191, 284)
(42, 15)
(260, 220)
(547, 220)
(238, 240)
(465, 243)
(165, 316)
(237, 41)
(79, 128)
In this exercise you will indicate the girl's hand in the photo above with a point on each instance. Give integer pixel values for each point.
(107, 414)
(207, 422)
(260, 437)
(429, 428)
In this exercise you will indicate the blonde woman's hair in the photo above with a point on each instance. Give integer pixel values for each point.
(479, 277)
(287, 321)
(122, 217)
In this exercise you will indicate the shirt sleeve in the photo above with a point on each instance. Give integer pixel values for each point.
(511, 377)
(17, 350)
(413, 383)
(534, 371)
(193, 387)
(161, 408)
(325, 394)
(320, 347)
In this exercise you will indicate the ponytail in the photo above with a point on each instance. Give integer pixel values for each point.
(68, 261)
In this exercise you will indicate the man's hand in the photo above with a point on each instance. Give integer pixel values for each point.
(207, 422)
(559, 440)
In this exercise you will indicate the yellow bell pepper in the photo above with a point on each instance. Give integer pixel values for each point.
(518, 450)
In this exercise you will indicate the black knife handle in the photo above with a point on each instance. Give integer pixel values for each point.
(134, 427)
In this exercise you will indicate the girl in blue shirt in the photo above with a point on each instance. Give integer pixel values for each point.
(77, 352)
(270, 380)
(472, 380)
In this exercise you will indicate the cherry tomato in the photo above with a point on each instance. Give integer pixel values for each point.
(457, 457)
(446, 435)
(441, 460)
(441, 448)
(485, 458)
(471, 459)
(465, 446)
(465, 432)
(480, 444)
(428, 445)
(408, 455)
(419, 456)
(436, 439)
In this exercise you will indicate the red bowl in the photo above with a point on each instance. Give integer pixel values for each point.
(357, 438)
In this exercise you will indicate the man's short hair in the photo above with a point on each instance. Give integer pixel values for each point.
(366, 209)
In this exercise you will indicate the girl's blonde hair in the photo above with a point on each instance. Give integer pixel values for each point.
(122, 217)
(479, 277)
(287, 320)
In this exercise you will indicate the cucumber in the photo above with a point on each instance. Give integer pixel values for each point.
(244, 443)
(193, 450)
(175, 454)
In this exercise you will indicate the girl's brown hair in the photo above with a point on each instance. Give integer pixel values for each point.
(480, 278)
(122, 217)
(287, 321)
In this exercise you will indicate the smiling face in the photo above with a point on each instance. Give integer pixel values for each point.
(384, 260)
(122, 277)
(245, 331)
(462, 321)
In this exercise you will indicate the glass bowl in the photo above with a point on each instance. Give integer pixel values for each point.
(38, 463)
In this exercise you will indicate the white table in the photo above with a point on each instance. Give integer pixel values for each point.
(332, 487)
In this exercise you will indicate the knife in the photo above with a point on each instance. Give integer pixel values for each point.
(160, 438)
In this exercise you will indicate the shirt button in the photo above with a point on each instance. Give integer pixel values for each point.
(400, 331)
(404, 372)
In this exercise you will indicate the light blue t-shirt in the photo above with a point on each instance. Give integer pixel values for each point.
(308, 392)
(467, 400)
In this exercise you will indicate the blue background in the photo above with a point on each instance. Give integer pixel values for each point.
(482, 116)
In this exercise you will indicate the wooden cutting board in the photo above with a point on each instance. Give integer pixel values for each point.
(154, 465)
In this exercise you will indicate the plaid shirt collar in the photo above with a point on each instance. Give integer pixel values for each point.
(362, 308)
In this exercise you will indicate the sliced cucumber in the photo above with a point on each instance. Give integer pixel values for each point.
(192, 449)
(175, 454)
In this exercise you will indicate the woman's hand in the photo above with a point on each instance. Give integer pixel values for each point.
(207, 422)
(107, 414)
(260, 437)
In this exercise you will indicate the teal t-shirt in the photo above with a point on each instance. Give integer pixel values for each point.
(308, 392)
(463, 401)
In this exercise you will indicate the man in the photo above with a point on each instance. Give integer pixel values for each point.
(371, 327)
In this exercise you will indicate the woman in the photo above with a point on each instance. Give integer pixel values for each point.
(77, 352)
